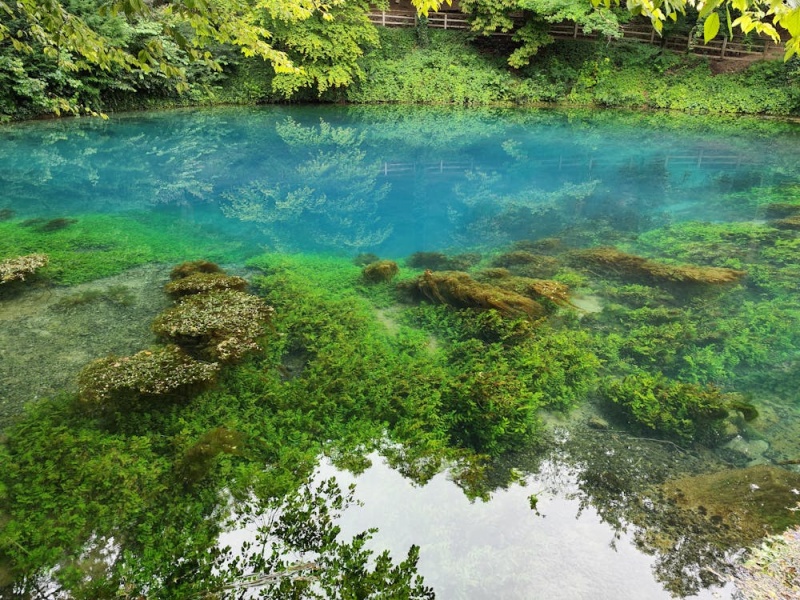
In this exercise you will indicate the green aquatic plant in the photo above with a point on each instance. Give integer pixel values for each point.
(380, 271)
(651, 402)
(222, 325)
(116, 294)
(438, 261)
(100, 246)
(198, 459)
(461, 291)
(7, 214)
(200, 283)
(160, 372)
(20, 267)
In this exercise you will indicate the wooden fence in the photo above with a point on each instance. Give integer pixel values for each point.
(701, 159)
(722, 47)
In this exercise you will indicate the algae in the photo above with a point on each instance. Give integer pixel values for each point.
(756, 501)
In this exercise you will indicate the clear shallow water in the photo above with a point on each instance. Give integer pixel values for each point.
(342, 181)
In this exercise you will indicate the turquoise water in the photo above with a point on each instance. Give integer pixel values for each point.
(386, 181)
(231, 184)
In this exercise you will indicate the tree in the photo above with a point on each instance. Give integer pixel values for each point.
(532, 33)
(777, 19)
(68, 34)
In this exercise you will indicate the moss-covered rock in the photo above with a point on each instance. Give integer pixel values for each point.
(185, 269)
(220, 325)
(199, 283)
(18, 268)
(160, 372)
(756, 501)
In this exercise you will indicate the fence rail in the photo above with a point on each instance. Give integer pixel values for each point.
(703, 158)
(735, 48)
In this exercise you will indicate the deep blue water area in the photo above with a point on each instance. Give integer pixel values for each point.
(387, 180)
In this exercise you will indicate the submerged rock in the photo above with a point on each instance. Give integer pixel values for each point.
(756, 501)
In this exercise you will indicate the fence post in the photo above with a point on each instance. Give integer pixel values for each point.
(724, 46)
(445, 20)
(383, 18)
(575, 33)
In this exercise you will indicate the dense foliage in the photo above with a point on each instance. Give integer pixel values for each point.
(77, 56)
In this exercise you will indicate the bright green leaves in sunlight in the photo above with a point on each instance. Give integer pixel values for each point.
(711, 27)
(771, 18)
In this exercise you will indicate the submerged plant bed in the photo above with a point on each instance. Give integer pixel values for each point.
(482, 318)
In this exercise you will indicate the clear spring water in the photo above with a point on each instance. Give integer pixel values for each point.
(393, 181)
(386, 180)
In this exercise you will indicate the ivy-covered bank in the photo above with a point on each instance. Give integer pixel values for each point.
(446, 67)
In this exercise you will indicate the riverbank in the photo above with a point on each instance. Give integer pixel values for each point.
(451, 67)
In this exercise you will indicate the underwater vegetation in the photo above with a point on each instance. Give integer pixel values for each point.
(653, 403)
(7, 214)
(459, 290)
(382, 270)
(222, 325)
(194, 267)
(98, 246)
(528, 264)
(611, 260)
(20, 267)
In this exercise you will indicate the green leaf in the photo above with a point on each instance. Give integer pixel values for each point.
(711, 27)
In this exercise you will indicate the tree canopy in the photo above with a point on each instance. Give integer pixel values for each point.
(778, 19)
(61, 55)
